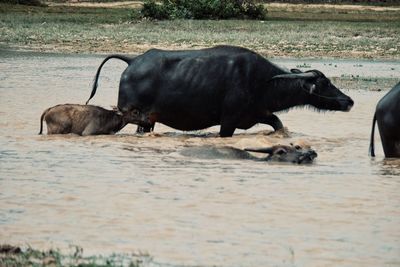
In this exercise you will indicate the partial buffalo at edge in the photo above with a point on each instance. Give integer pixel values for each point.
(387, 116)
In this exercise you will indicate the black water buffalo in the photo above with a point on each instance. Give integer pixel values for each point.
(278, 153)
(86, 119)
(224, 85)
(387, 115)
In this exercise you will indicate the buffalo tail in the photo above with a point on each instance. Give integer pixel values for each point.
(41, 120)
(371, 144)
(95, 81)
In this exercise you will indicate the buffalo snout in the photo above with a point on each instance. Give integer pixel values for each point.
(346, 103)
(306, 156)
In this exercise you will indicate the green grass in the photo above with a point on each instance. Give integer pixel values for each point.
(100, 30)
(65, 14)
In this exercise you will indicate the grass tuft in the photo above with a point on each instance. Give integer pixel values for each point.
(11, 256)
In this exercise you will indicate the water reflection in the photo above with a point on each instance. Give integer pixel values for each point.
(390, 166)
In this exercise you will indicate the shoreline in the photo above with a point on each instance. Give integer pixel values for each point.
(4, 48)
(139, 49)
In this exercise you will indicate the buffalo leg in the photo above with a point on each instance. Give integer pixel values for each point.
(227, 130)
(391, 149)
(391, 146)
(145, 129)
(389, 130)
(228, 126)
(274, 121)
(232, 112)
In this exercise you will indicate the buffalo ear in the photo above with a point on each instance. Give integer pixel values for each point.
(267, 150)
(312, 89)
(309, 87)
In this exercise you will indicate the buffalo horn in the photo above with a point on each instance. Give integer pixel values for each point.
(295, 71)
(303, 75)
(260, 150)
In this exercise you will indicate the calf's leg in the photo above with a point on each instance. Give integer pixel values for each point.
(90, 129)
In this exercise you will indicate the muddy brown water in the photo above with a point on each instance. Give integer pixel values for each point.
(129, 193)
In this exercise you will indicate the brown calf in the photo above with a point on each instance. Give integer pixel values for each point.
(86, 120)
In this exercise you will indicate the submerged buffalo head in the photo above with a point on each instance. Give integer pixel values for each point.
(284, 153)
(318, 90)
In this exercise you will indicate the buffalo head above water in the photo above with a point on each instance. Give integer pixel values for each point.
(318, 91)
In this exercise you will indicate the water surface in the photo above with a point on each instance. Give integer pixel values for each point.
(128, 192)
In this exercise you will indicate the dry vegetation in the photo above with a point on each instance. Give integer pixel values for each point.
(13, 256)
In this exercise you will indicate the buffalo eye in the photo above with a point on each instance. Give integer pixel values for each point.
(297, 147)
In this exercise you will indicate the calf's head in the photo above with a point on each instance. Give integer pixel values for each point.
(284, 153)
(134, 116)
(318, 90)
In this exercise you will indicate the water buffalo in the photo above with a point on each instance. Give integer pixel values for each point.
(277, 153)
(387, 115)
(225, 85)
(86, 119)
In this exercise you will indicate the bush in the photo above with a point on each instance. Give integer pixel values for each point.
(24, 2)
(203, 9)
